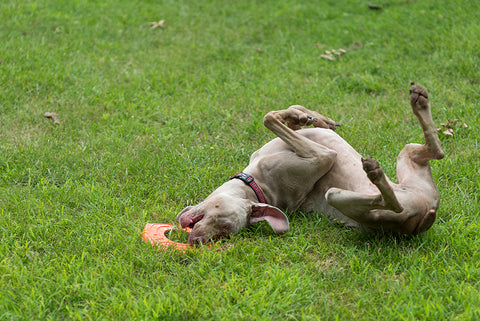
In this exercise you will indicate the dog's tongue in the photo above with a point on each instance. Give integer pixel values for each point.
(185, 221)
(188, 220)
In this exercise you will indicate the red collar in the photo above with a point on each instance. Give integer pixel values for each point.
(248, 179)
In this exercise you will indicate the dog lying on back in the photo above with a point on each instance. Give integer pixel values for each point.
(314, 169)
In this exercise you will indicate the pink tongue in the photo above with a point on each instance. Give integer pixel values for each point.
(196, 219)
(185, 221)
(189, 220)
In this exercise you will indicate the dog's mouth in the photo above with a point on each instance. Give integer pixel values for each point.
(195, 220)
(190, 221)
(198, 239)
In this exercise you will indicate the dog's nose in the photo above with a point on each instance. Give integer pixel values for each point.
(197, 240)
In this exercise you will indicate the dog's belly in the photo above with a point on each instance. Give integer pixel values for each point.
(346, 173)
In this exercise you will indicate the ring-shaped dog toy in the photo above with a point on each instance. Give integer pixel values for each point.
(155, 234)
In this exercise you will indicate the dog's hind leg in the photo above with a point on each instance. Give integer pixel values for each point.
(432, 149)
(376, 175)
(413, 161)
(358, 206)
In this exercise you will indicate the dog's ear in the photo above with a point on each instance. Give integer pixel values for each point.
(274, 216)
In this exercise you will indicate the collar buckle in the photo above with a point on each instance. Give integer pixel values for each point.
(248, 179)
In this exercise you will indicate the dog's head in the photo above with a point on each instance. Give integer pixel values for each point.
(222, 214)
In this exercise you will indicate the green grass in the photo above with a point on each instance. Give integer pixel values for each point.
(154, 120)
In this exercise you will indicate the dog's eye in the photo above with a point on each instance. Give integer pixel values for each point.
(226, 227)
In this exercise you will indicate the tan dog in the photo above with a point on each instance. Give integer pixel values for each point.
(316, 170)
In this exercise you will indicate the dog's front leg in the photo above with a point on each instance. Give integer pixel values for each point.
(283, 123)
(289, 168)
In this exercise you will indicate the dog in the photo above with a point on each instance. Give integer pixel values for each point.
(315, 170)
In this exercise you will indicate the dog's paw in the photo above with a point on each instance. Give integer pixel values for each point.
(418, 96)
(372, 168)
(298, 118)
(304, 117)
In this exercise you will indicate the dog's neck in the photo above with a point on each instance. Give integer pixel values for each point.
(237, 188)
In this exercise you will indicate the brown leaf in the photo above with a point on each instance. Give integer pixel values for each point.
(329, 54)
(328, 57)
(155, 24)
(54, 116)
(374, 7)
(449, 127)
(338, 53)
(448, 132)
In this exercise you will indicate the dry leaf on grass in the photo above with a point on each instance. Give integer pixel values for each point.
(356, 45)
(374, 7)
(155, 24)
(328, 57)
(448, 128)
(333, 54)
(54, 116)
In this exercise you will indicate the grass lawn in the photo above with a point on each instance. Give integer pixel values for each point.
(152, 120)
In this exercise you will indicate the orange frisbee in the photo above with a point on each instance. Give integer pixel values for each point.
(155, 234)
